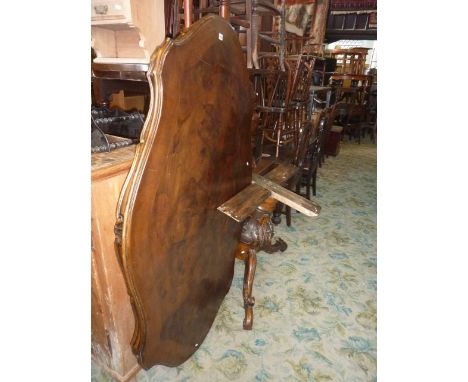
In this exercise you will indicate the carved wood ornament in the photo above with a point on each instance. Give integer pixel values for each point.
(175, 248)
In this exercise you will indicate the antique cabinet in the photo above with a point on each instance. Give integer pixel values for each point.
(112, 320)
(126, 30)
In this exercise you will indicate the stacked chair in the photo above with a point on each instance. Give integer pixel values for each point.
(284, 128)
(353, 103)
(287, 129)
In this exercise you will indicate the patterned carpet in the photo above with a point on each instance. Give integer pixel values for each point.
(315, 310)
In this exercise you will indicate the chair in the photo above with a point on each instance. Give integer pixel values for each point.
(316, 150)
(329, 116)
(352, 88)
(350, 61)
(370, 125)
(268, 38)
(274, 88)
(286, 123)
(309, 175)
(258, 38)
(355, 121)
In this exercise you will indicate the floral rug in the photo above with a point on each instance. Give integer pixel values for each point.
(315, 310)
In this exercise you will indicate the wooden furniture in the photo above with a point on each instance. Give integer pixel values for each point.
(354, 83)
(350, 117)
(274, 88)
(320, 71)
(111, 315)
(239, 15)
(320, 97)
(333, 144)
(124, 34)
(112, 319)
(257, 228)
(126, 30)
(309, 170)
(189, 187)
(352, 93)
(316, 151)
(329, 117)
(109, 79)
(287, 115)
(268, 30)
(260, 25)
(304, 120)
(371, 121)
(176, 249)
(308, 161)
(350, 61)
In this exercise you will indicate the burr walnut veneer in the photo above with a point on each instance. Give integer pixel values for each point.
(176, 249)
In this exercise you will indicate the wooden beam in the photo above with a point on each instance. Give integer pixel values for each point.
(281, 174)
(244, 203)
(291, 199)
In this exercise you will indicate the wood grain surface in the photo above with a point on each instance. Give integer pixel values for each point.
(112, 319)
(242, 205)
(176, 248)
(110, 163)
(291, 199)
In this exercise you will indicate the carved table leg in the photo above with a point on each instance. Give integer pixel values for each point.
(249, 300)
(268, 207)
(249, 256)
(279, 245)
(257, 233)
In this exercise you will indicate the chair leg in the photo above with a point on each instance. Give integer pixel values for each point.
(249, 300)
(298, 185)
(314, 183)
(276, 218)
(288, 216)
